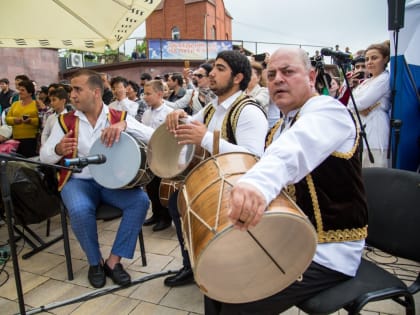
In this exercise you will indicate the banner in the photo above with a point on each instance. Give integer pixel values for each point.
(186, 49)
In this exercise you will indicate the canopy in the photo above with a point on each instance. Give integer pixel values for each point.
(407, 87)
(89, 25)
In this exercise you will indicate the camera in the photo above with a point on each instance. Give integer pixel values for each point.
(317, 62)
(259, 57)
(360, 75)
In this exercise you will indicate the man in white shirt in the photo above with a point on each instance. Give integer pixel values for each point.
(315, 157)
(119, 88)
(228, 80)
(73, 136)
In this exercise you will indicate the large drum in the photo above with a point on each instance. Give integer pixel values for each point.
(126, 163)
(168, 159)
(234, 266)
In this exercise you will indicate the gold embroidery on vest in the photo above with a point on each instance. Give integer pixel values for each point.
(353, 234)
(270, 136)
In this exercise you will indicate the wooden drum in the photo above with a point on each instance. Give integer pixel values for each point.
(241, 266)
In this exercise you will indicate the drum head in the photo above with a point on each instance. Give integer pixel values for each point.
(167, 158)
(123, 159)
(234, 268)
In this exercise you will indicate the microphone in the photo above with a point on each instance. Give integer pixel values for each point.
(336, 54)
(85, 160)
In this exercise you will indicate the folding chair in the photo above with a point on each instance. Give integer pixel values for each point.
(393, 206)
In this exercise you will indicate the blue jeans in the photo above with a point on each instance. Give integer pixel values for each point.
(81, 198)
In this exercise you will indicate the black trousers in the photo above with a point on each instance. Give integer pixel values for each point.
(315, 279)
(159, 211)
(174, 212)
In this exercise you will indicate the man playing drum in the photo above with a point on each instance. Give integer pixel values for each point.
(73, 135)
(242, 122)
(314, 156)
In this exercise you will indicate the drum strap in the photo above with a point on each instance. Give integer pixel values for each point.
(70, 121)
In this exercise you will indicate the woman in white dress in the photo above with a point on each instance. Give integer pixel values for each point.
(373, 100)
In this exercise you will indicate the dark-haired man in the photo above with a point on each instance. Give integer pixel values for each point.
(6, 94)
(231, 107)
(73, 135)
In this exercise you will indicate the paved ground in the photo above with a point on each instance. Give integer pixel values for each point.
(44, 279)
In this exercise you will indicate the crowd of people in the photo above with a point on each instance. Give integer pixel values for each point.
(308, 141)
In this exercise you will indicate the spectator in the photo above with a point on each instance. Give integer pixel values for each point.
(108, 96)
(119, 88)
(154, 116)
(6, 94)
(258, 92)
(175, 83)
(373, 100)
(133, 95)
(24, 119)
(59, 98)
(144, 77)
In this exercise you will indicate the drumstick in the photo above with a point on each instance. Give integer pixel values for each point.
(216, 136)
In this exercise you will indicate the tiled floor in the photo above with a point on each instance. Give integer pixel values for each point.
(44, 279)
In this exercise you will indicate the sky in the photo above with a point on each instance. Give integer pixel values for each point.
(325, 23)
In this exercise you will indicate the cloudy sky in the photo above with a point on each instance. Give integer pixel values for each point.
(352, 23)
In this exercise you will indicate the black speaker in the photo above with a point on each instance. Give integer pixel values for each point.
(396, 10)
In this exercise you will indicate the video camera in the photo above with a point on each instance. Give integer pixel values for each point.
(317, 62)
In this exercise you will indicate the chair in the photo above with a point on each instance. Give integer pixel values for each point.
(394, 214)
(103, 212)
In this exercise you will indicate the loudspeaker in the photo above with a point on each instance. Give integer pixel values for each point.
(396, 10)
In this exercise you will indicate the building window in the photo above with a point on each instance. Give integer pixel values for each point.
(213, 32)
(175, 33)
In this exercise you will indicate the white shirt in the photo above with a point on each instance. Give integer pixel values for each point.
(88, 135)
(49, 124)
(323, 126)
(250, 131)
(154, 117)
(130, 107)
(260, 94)
(366, 95)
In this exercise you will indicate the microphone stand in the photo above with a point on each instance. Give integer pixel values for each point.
(8, 207)
(362, 127)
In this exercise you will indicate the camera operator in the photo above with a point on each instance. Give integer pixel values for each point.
(355, 77)
(323, 79)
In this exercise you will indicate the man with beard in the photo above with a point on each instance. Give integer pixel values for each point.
(242, 122)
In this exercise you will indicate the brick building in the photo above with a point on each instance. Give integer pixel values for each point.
(190, 19)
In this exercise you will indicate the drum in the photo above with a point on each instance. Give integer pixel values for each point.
(125, 166)
(166, 188)
(168, 159)
(234, 266)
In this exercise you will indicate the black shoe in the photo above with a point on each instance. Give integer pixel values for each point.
(118, 274)
(96, 276)
(161, 225)
(183, 276)
(150, 221)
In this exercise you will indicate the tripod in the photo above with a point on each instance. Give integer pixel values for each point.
(340, 63)
(8, 207)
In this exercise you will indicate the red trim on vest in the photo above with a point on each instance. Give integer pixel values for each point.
(68, 122)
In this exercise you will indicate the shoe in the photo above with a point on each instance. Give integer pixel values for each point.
(161, 225)
(150, 221)
(118, 274)
(184, 276)
(96, 276)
